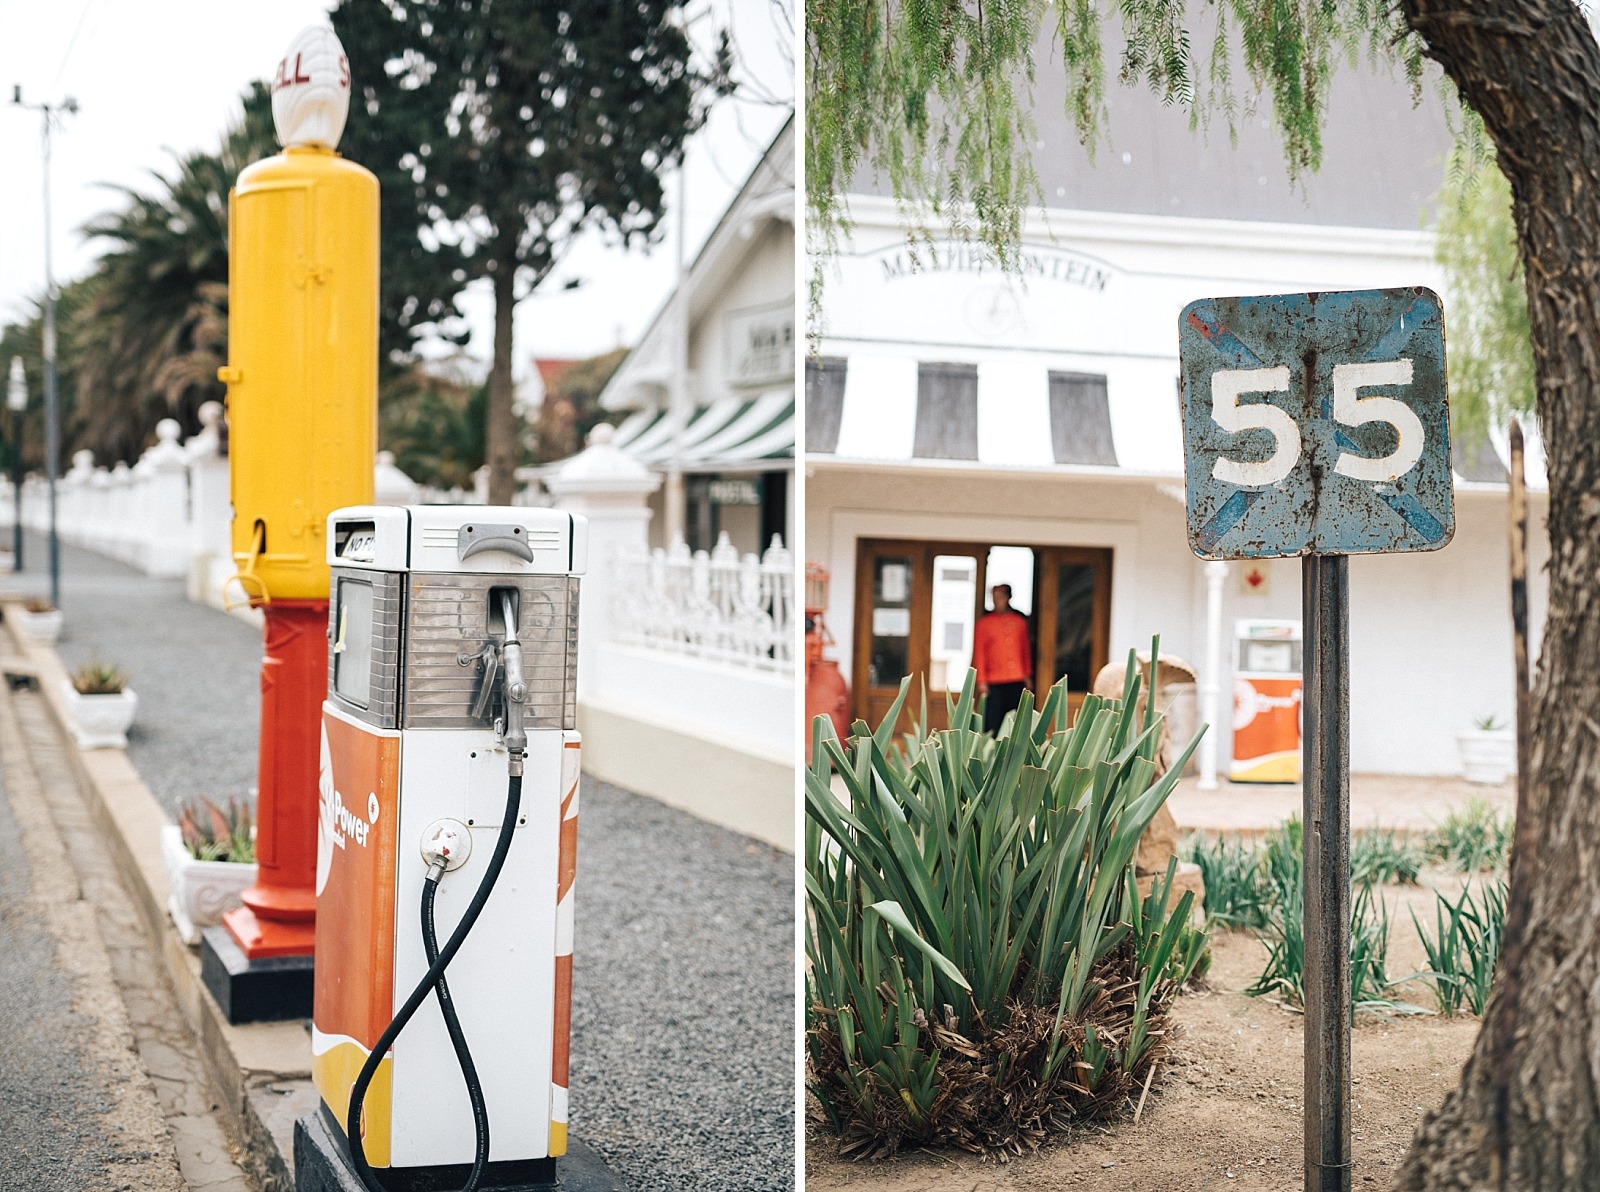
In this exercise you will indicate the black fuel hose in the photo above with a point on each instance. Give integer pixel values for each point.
(458, 1040)
(433, 980)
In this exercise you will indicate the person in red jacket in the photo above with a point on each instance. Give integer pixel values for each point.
(1002, 654)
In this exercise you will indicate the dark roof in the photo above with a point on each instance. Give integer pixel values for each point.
(1383, 158)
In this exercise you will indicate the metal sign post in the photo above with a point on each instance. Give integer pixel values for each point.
(1325, 819)
(1315, 426)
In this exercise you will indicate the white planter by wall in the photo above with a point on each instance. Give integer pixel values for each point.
(1488, 757)
(101, 721)
(202, 891)
(41, 629)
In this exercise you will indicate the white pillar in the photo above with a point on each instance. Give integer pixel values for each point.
(120, 527)
(1211, 677)
(611, 489)
(210, 509)
(72, 496)
(166, 504)
(391, 486)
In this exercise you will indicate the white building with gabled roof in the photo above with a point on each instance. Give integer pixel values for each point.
(966, 425)
(706, 399)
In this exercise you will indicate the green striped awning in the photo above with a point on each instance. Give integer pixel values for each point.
(731, 434)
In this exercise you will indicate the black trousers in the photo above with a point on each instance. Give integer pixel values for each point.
(1003, 698)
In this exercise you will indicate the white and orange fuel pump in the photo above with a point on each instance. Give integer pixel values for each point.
(449, 803)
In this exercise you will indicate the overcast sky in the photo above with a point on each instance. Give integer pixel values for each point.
(158, 77)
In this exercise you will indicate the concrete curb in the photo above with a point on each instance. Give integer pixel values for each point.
(244, 1063)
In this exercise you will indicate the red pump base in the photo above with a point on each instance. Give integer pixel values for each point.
(279, 913)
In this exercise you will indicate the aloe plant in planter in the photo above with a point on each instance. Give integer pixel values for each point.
(40, 622)
(210, 860)
(1488, 751)
(100, 706)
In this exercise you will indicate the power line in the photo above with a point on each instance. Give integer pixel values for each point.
(72, 44)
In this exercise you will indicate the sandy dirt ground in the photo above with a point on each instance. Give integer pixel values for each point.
(1227, 1114)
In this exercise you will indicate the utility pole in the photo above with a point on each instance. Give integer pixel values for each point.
(17, 400)
(675, 505)
(52, 427)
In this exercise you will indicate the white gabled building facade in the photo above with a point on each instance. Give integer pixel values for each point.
(706, 400)
(967, 426)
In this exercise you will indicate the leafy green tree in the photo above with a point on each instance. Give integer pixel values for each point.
(434, 425)
(935, 97)
(522, 125)
(896, 87)
(141, 336)
(1491, 356)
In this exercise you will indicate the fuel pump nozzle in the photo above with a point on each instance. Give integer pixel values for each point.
(516, 689)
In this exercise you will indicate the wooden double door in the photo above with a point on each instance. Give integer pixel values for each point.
(917, 603)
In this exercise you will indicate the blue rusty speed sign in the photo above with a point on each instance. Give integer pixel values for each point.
(1316, 424)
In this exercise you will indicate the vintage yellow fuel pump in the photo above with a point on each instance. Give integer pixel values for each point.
(302, 418)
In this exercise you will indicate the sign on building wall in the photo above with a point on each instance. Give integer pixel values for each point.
(1316, 424)
(734, 492)
(761, 346)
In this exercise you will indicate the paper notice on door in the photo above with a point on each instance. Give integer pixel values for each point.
(891, 622)
(894, 577)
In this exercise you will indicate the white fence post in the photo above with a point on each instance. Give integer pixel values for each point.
(611, 489)
(72, 498)
(210, 509)
(166, 485)
(391, 486)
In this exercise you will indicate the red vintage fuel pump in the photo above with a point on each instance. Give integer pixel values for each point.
(827, 694)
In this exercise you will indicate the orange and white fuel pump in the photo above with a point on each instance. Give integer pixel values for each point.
(449, 804)
(1266, 702)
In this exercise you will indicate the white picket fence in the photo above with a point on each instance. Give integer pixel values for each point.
(714, 605)
(686, 667)
(169, 514)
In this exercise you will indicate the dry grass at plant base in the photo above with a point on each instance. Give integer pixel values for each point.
(1227, 1115)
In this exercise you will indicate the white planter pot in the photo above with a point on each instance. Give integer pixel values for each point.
(41, 629)
(1488, 757)
(201, 890)
(101, 721)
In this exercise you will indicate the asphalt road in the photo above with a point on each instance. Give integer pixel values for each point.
(77, 1108)
(683, 1055)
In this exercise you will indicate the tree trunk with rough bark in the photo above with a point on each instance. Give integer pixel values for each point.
(1527, 1112)
(503, 441)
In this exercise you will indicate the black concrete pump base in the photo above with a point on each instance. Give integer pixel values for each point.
(253, 990)
(322, 1164)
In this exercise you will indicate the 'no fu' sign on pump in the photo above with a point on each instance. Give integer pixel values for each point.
(1316, 424)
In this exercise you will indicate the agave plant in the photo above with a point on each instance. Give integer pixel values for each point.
(1464, 948)
(980, 965)
(211, 833)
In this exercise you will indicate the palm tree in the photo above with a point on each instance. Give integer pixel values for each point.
(153, 332)
(26, 339)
